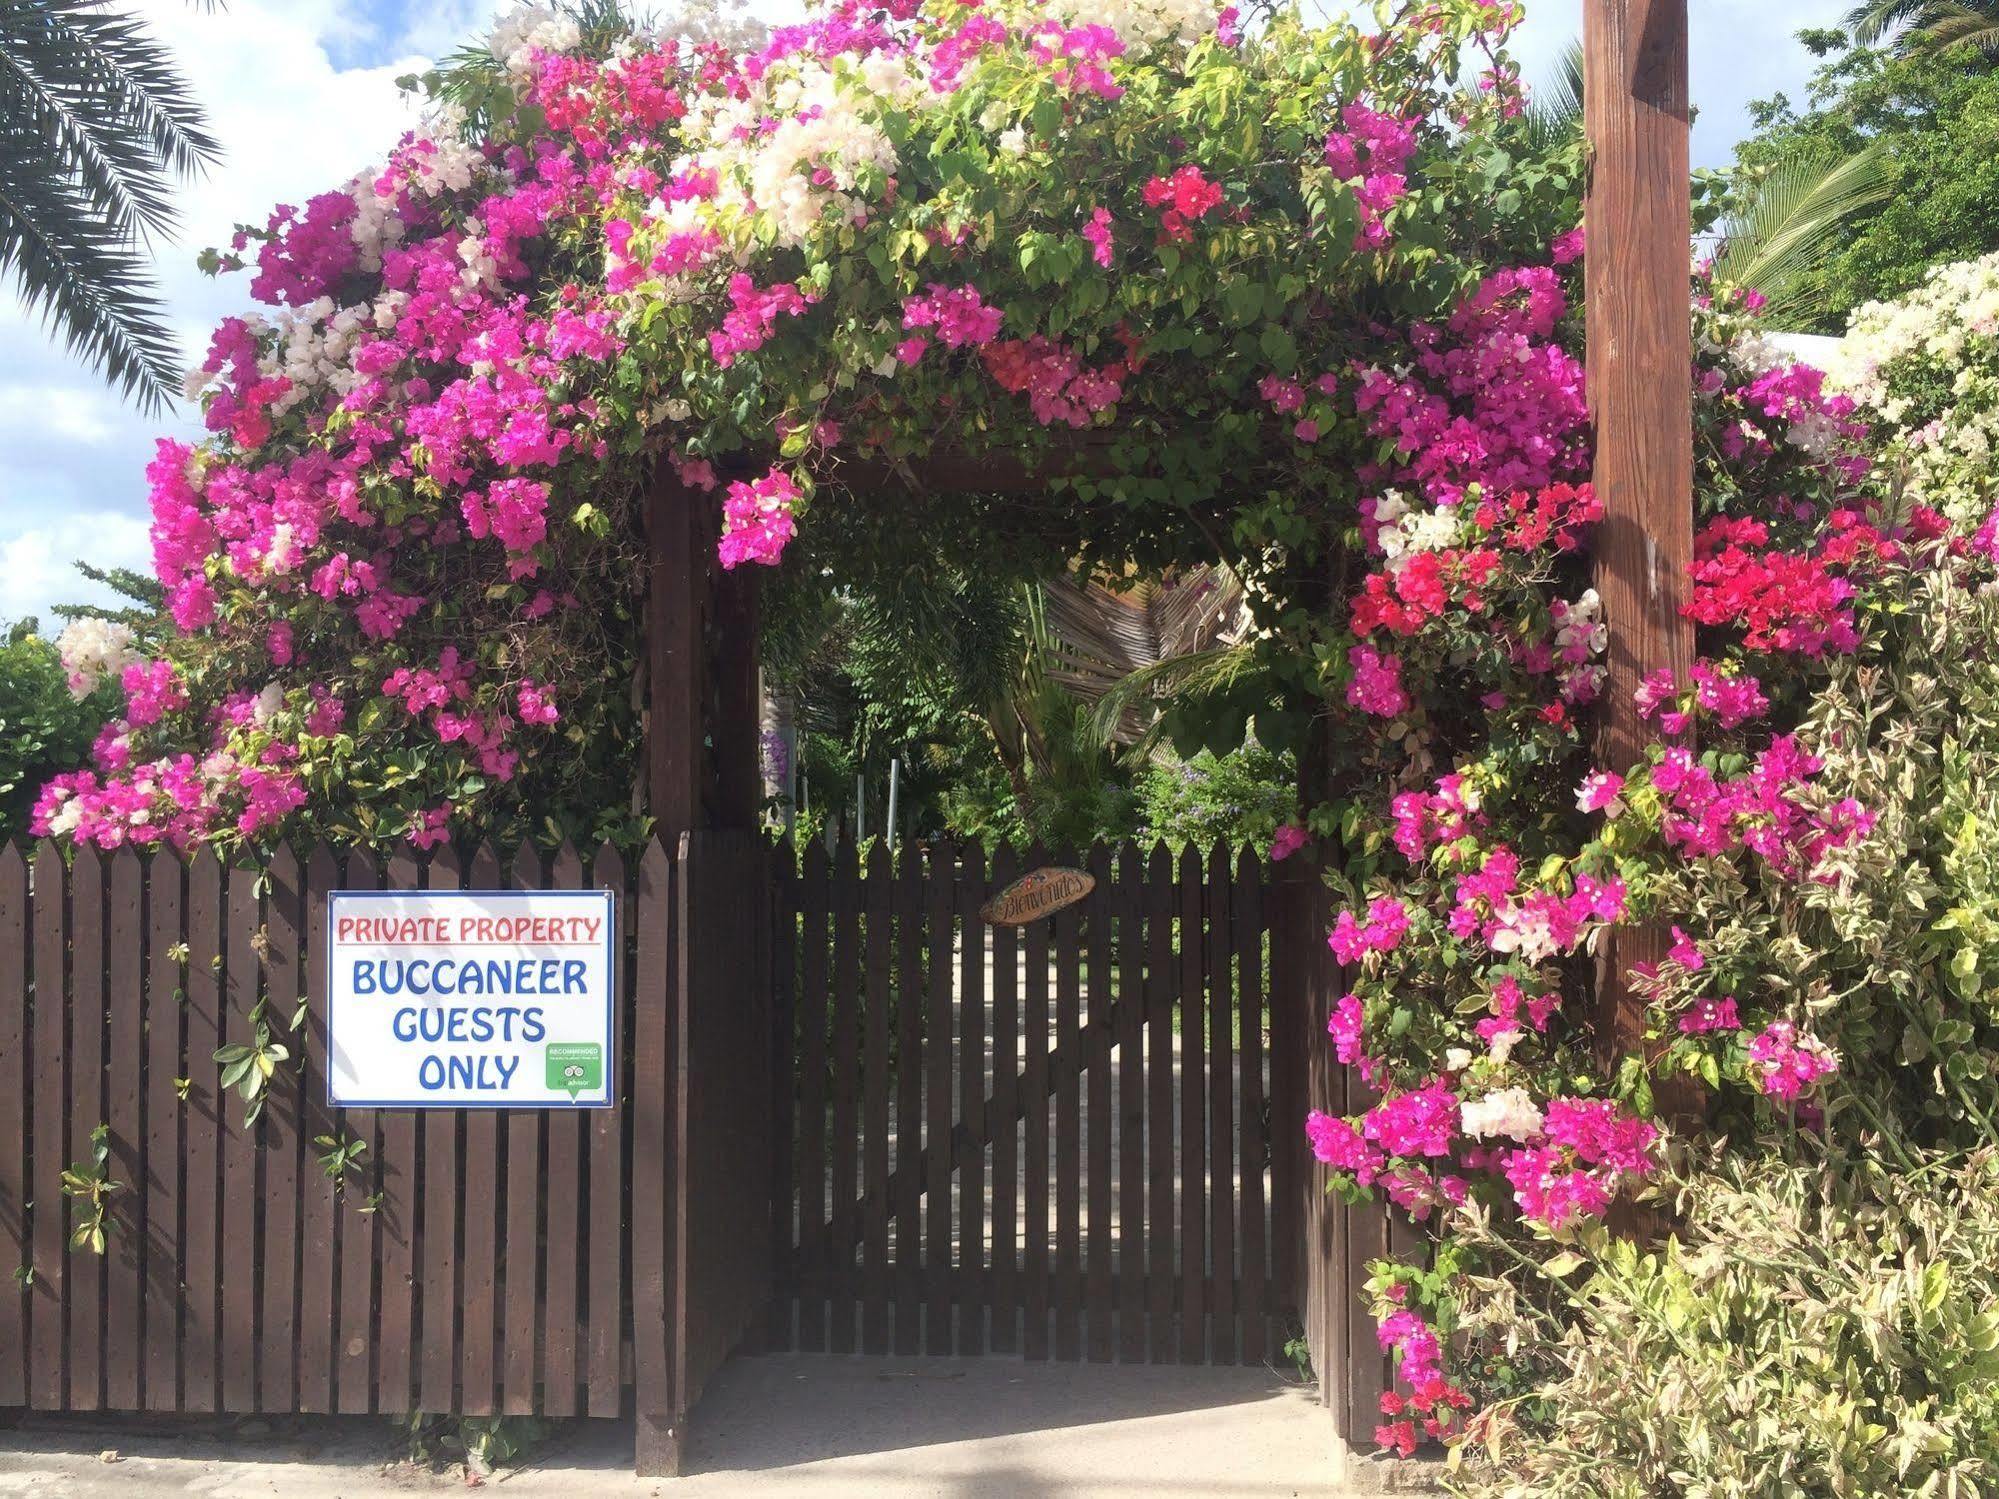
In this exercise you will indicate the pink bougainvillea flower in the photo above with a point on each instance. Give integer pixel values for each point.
(1686, 952)
(1708, 1015)
(757, 521)
(1286, 841)
(1599, 793)
(1098, 233)
(1376, 685)
(1786, 1062)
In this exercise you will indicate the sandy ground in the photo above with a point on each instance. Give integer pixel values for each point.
(883, 1428)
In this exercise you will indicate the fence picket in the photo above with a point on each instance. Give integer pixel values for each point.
(1193, 1132)
(813, 1261)
(125, 964)
(1221, 1108)
(909, 1001)
(84, 1283)
(239, 1145)
(1131, 1105)
(437, 1202)
(1068, 1132)
(396, 1219)
(15, 1070)
(845, 1174)
(972, 1293)
(356, 1198)
(51, 1048)
(1005, 1131)
(937, 1149)
(1246, 925)
(526, 1182)
(203, 1112)
(1099, 1296)
(778, 1336)
(165, 1155)
(874, 1122)
(1034, 1086)
(563, 1218)
(479, 1265)
(321, 1193)
(1160, 980)
(605, 1134)
(280, 1146)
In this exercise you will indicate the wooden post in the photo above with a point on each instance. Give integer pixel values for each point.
(700, 772)
(737, 726)
(681, 551)
(1638, 228)
(675, 766)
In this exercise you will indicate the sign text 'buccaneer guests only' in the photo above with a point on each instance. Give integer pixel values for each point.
(498, 999)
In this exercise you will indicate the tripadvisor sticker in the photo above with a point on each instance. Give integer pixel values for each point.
(575, 1066)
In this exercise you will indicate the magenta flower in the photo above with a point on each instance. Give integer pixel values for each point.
(1709, 1015)
(1786, 1062)
(1098, 233)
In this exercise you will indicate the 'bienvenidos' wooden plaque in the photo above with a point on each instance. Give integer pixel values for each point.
(1038, 893)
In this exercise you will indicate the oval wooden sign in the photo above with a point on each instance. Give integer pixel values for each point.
(1038, 893)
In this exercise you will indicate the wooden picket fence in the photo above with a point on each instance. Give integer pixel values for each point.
(879, 1125)
(475, 1261)
(1055, 1140)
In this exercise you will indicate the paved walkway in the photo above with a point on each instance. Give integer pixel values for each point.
(829, 1428)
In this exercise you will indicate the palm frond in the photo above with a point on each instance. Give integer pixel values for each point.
(1912, 24)
(1794, 218)
(1872, 20)
(1975, 26)
(95, 123)
(88, 282)
(1193, 674)
(1555, 107)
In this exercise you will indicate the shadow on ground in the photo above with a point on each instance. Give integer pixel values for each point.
(832, 1428)
(776, 1412)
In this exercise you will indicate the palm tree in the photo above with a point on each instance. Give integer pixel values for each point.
(1928, 23)
(95, 124)
(1792, 216)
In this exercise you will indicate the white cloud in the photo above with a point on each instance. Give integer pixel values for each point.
(36, 564)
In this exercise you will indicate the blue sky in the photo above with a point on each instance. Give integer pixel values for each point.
(302, 94)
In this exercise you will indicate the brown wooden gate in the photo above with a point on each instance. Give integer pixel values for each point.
(1053, 1140)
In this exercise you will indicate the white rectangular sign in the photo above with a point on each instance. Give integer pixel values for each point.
(493, 999)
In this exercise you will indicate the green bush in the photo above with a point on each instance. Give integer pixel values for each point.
(1234, 799)
(43, 730)
(1892, 955)
(1814, 1328)
(1825, 1318)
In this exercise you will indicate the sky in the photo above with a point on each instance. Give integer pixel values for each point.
(302, 95)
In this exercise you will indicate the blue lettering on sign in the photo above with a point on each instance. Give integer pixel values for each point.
(477, 1025)
(471, 976)
(481, 1074)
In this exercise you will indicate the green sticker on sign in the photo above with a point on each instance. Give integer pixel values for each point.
(575, 1067)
